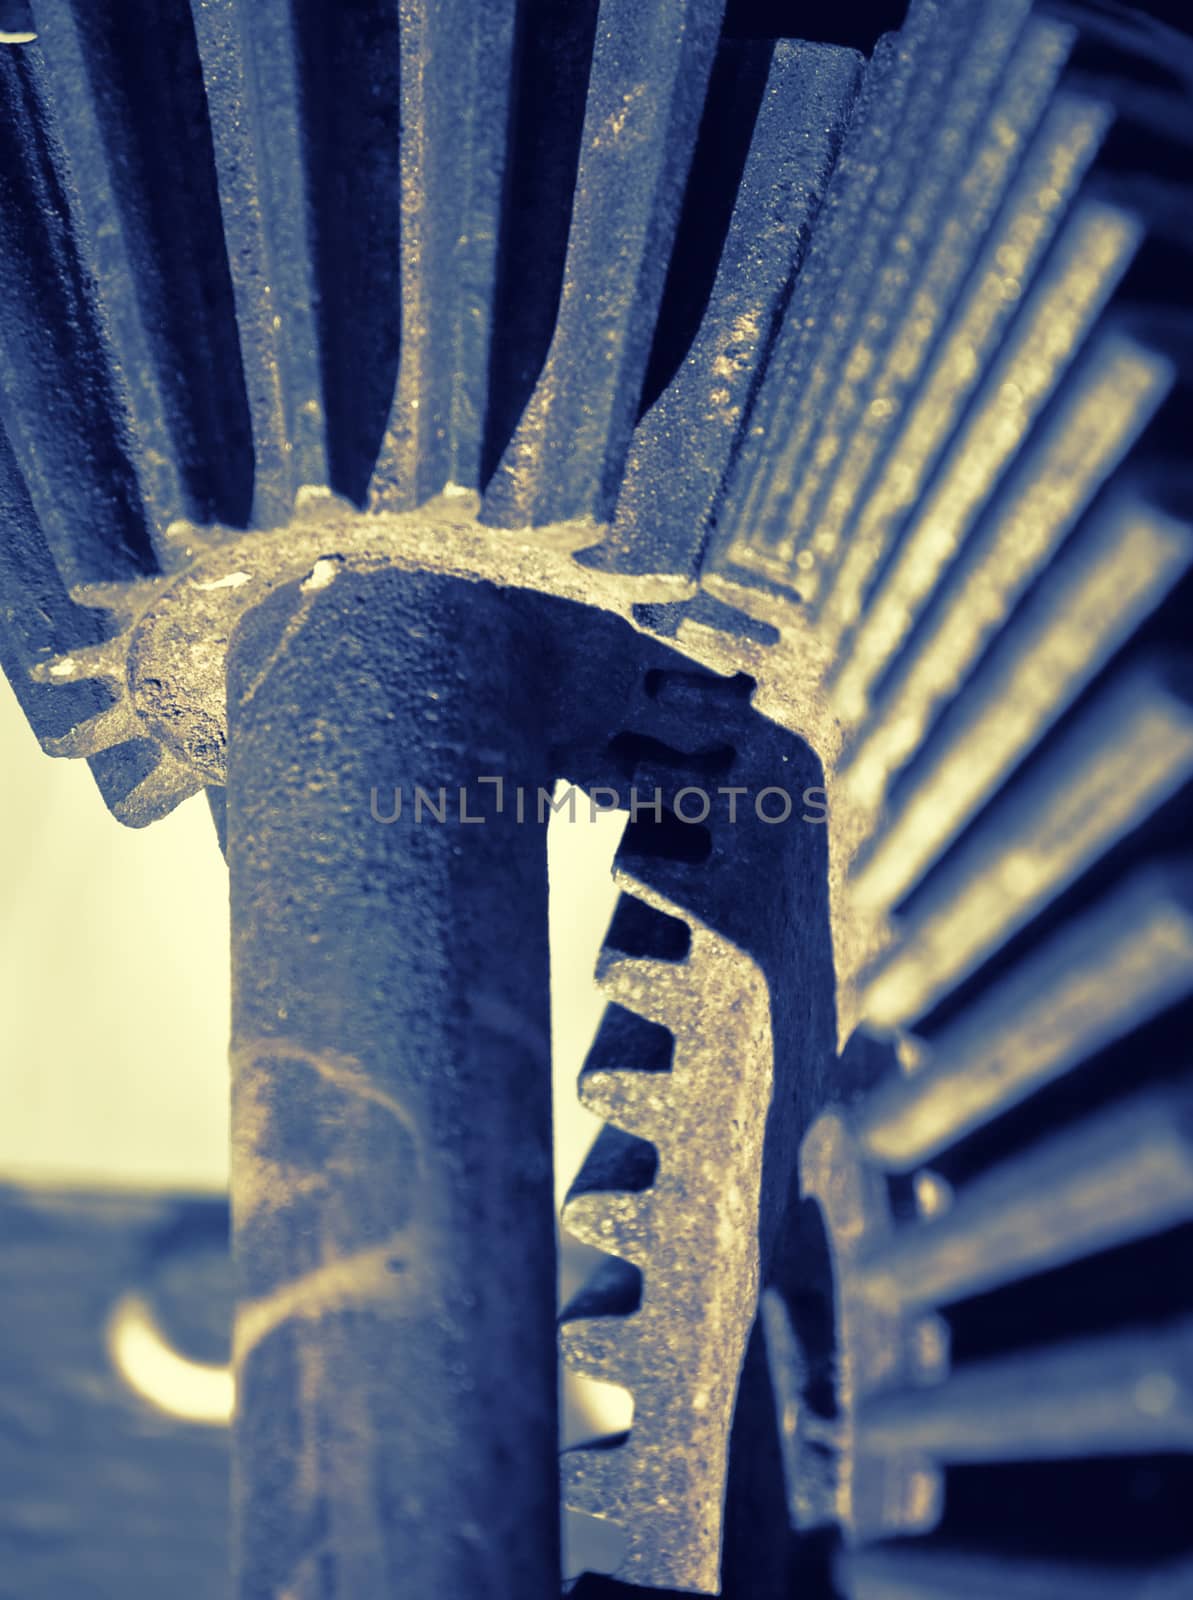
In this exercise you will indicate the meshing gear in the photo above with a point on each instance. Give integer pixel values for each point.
(618, 393)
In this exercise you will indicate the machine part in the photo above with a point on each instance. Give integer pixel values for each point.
(93, 1474)
(854, 447)
(665, 1484)
(696, 975)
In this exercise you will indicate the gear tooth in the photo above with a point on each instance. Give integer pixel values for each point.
(1095, 981)
(594, 1481)
(106, 662)
(1109, 769)
(617, 1223)
(614, 968)
(1125, 1394)
(609, 1203)
(629, 883)
(1116, 1177)
(123, 601)
(627, 1070)
(269, 250)
(601, 1347)
(162, 789)
(1118, 568)
(450, 242)
(648, 78)
(639, 1102)
(1051, 487)
(650, 989)
(116, 724)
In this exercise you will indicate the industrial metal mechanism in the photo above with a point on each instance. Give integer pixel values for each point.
(770, 424)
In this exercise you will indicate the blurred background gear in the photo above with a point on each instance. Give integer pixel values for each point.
(803, 404)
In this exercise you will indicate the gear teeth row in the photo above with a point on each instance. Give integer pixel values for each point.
(926, 91)
(137, 299)
(1010, 149)
(1110, 578)
(958, 309)
(156, 433)
(976, 526)
(73, 486)
(689, 1232)
(1048, 1206)
(153, 779)
(1087, 987)
(1110, 1180)
(685, 947)
(1098, 1173)
(1016, 540)
(1111, 768)
(1014, 282)
(935, 521)
(1012, 254)
(1000, 423)
(825, 277)
(1004, 75)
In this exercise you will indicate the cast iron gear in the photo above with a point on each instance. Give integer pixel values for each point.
(834, 405)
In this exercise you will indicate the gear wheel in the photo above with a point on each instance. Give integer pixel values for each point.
(847, 394)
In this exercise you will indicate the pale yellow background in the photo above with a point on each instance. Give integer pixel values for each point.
(114, 1000)
(114, 980)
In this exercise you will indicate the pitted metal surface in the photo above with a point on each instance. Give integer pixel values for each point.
(810, 420)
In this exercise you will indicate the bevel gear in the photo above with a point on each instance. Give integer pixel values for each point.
(868, 412)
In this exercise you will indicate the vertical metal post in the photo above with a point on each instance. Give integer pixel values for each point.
(391, 1179)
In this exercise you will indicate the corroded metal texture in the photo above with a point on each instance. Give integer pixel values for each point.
(682, 1233)
(391, 1161)
(707, 1066)
(823, 413)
